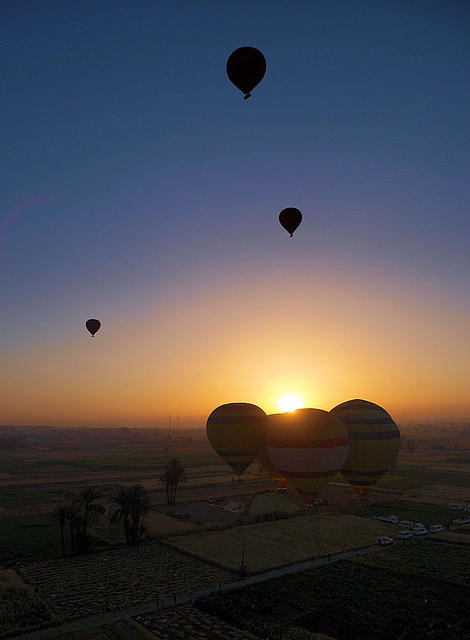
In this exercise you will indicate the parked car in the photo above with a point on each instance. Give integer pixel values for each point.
(384, 518)
(459, 521)
(393, 519)
(406, 523)
(420, 531)
(404, 535)
(436, 528)
(455, 506)
(384, 540)
(419, 525)
(465, 520)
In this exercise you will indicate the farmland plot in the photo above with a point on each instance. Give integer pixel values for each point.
(21, 609)
(118, 578)
(273, 544)
(351, 601)
(189, 623)
(428, 558)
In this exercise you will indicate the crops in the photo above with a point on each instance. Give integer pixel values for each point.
(21, 609)
(410, 510)
(426, 557)
(351, 599)
(274, 544)
(83, 586)
(189, 623)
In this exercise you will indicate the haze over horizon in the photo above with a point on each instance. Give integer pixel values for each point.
(141, 189)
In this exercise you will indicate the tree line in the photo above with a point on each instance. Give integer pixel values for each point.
(128, 508)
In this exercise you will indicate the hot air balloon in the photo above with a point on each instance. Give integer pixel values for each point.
(374, 442)
(268, 466)
(93, 325)
(307, 447)
(290, 219)
(237, 432)
(246, 67)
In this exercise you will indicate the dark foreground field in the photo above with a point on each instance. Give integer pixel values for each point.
(414, 591)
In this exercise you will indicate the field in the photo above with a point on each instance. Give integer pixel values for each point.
(269, 544)
(375, 597)
(21, 609)
(126, 629)
(118, 578)
(179, 623)
(427, 513)
(442, 494)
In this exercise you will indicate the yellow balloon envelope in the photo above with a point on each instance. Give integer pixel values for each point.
(374, 442)
(237, 432)
(308, 446)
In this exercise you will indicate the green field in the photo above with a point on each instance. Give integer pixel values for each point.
(392, 593)
(409, 510)
(437, 560)
(412, 476)
(34, 537)
(113, 458)
(29, 536)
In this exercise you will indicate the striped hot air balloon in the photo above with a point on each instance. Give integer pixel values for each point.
(375, 442)
(237, 432)
(308, 447)
(276, 475)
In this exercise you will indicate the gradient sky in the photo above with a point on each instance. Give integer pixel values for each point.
(138, 187)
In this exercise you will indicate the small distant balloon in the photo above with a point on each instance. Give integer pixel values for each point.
(290, 219)
(246, 67)
(93, 325)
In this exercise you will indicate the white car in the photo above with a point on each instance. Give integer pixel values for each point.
(436, 528)
(459, 521)
(465, 520)
(384, 518)
(405, 535)
(384, 540)
(393, 519)
(455, 506)
(406, 523)
(420, 531)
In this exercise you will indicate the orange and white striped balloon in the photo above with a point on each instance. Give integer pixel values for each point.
(308, 447)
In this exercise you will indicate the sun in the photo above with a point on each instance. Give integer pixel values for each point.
(289, 402)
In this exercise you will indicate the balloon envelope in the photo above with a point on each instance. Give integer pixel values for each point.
(237, 432)
(307, 447)
(265, 462)
(290, 219)
(246, 67)
(374, 442)
(93, 325)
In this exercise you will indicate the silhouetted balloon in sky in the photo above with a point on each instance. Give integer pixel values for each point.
(374, 442)
(237, 432)
(93, 325)
(246, 67)
(290, 219)
(308, 448)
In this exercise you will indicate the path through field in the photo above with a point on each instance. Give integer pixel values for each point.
(184, 598)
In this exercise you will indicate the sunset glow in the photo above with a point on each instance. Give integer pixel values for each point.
(289, 402)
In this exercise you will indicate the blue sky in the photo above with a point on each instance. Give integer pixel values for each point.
(134, 174)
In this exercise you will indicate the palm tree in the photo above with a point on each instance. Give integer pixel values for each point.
(73, 517)
(172, 478)
(61, 514)
(132, 505)
(89, 513)
(91, 510)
